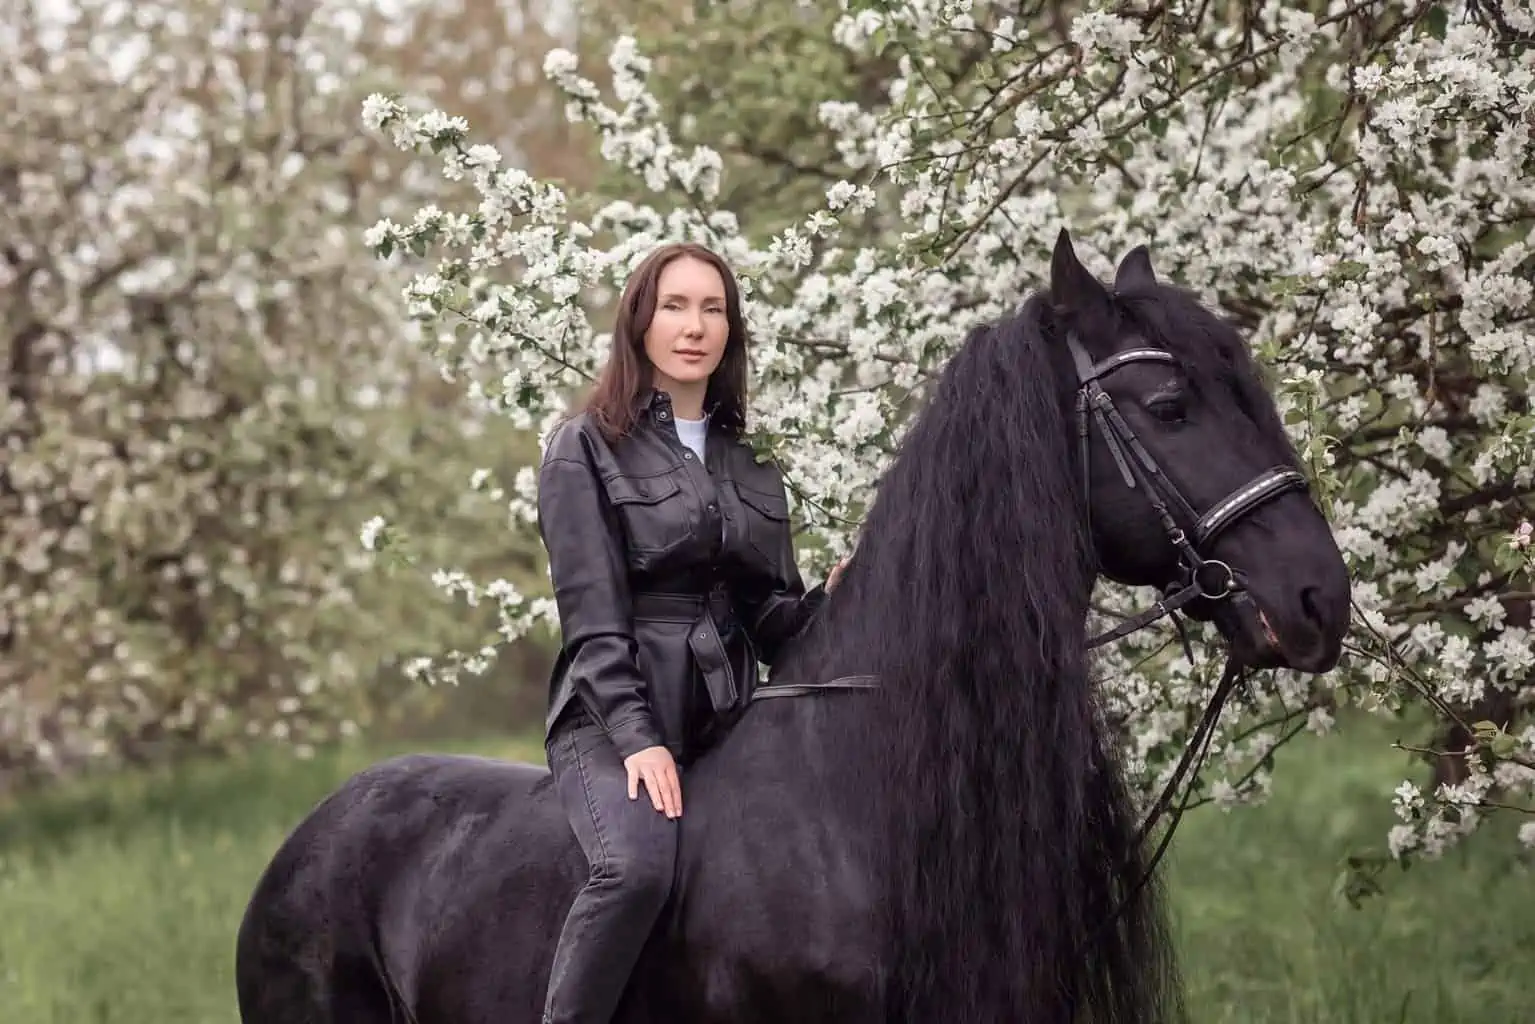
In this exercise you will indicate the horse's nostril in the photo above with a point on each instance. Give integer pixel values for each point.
(1316, 645)
(1311, 603)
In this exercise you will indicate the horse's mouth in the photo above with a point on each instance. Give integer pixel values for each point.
(1268, 631)
(1271, 652)
(1247, 628)
(1253, 637)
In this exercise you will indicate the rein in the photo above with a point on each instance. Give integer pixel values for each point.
(862, 682)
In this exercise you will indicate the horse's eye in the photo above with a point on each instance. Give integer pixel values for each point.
(1171, 409)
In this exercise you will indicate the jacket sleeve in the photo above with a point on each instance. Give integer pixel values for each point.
(590, 577)
(782, 614)
(776, 610)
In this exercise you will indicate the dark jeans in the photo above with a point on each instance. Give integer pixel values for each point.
(632, 850)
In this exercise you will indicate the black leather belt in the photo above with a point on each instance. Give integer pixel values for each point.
(665, 607)
(707, 615)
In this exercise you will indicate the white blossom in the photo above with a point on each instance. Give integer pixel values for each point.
(1378, 264)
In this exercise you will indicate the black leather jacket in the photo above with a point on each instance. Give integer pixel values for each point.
(672, 579)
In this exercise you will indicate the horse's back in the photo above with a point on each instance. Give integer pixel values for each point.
(438, 885)
(381, 894)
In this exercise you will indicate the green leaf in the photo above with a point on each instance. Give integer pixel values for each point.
(1288, 284)
(1437, 22)
(1503, 745)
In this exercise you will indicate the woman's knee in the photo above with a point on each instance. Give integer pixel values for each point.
(645, 875)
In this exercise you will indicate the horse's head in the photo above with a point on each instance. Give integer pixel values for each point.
(1177, 419)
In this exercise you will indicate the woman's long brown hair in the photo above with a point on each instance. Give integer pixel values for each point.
(614, 402)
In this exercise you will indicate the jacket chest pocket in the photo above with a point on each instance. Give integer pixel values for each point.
(767, 522)
(653, 510)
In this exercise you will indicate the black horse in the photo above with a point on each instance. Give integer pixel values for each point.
(933, 827)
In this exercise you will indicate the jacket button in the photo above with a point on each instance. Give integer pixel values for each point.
(713, 507)
(663, 415)
(687, 456)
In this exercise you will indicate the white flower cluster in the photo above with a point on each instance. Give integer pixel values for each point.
(1352, 190)
(200, 382)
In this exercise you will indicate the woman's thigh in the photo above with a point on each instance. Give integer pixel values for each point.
(593, 784)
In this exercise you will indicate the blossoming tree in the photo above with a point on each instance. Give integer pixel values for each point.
(204, 373)
(1351, 182)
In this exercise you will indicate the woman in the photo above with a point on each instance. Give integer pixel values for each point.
(674, 574)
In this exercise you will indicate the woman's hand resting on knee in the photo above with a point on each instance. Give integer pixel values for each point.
(655, 768)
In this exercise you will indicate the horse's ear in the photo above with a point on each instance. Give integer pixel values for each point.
(1073, 288)
(1135, 271)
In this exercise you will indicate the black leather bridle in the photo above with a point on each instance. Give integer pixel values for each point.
(1203, 577)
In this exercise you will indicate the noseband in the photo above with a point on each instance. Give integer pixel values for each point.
(1209, 578)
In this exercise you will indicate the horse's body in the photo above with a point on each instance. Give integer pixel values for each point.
(954, 843)
(455, 874)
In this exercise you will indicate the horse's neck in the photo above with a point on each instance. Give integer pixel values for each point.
(796, 753)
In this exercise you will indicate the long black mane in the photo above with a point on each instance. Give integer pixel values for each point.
(1011, 831)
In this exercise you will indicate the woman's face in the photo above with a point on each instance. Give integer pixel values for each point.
(686, 337)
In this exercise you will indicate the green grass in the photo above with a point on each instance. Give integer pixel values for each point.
(1265, 941)
(119, 900)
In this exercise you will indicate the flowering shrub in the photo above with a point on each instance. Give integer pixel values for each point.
(201, 380)
(1351, 183)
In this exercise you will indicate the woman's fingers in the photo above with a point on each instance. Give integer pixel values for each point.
(663, 784)
(653, 788)
(660, 792)
(665, 789)
(673, 798)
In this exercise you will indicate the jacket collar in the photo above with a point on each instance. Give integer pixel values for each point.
(652, 400)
